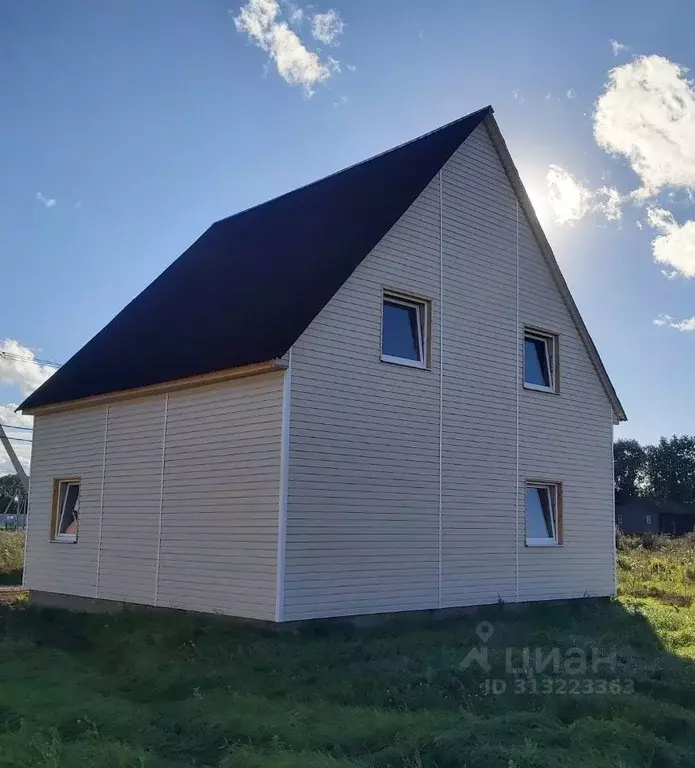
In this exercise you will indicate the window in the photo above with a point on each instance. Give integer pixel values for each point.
(543, 516)
(619, 519)
(66, 507)
(540, 353)
(404, 330)
(648, 519)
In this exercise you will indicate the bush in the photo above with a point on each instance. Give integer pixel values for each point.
(11, 556)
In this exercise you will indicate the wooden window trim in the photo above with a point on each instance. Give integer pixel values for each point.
(559, 515)
(423, 307)
(55, 537)
(552, 358)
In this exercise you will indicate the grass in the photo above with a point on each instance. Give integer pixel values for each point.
(11, 555)
(151, 691)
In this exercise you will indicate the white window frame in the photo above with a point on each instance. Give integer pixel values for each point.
(59, 512)
(554, 490)
(551, 347)
(648, 519)
(422, 307)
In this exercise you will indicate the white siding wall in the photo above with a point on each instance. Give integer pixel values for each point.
(132, 490)
(566, 437)
(65, 445)
(218, 491)
(364, 516)
(362, 533)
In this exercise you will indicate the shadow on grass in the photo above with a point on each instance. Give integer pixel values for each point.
(11, 578)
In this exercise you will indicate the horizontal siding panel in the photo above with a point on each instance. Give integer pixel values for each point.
(65, 446)
(218, 498)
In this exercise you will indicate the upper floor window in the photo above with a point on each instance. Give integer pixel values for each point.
(404, 330)
(540, 360)
(66, 506)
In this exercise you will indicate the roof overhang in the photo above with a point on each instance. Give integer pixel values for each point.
(161, 388)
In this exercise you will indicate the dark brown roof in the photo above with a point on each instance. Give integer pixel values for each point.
(246, 290)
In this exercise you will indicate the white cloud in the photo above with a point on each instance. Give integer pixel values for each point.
(570, 200)
(647, 115)
(295, 14)
(607, 200)
(342, 100)
(571, 93)
(295, 63)
(675, 245)
(351, 68)
(517, 95)
(327, 27)
(49, 202)
(617, 47)
(680, 325)
(19, 367)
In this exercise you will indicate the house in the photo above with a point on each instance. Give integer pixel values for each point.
(655, 516)
(372, 394)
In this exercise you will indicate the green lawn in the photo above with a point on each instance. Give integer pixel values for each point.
(82, 691)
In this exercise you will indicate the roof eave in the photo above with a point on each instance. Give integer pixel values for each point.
(214, 377)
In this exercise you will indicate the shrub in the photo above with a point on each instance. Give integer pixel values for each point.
(11, 556)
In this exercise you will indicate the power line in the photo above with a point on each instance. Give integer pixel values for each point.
(12, 426)
(27, 359)
(19, 439)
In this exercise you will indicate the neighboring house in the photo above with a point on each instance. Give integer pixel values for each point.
(12, 521)
(655, 516)
(372, 394)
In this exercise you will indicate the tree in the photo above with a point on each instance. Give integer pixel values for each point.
(670, 469)
(629, 459)
(10, 490)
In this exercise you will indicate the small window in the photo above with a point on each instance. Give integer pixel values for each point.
(648, 519)
(543, 519)
(540, 353)
(619, 519)
(404, 330)
(66, 507)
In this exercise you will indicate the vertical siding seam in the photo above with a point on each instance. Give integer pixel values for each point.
(161, 500)
(517, 352)
(101, 501)
(441, 381)
(283, 493)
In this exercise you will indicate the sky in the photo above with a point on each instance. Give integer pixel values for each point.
(128, 127)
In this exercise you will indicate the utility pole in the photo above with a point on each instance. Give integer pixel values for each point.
(18, 468)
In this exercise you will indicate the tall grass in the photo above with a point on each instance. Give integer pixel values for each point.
(11, 557)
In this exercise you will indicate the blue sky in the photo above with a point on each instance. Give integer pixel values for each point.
(130, 126)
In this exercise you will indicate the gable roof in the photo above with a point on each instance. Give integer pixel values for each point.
(248, 288)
